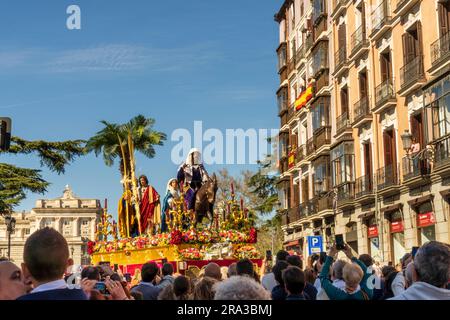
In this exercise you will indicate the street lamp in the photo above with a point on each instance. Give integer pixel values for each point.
(10, 227)
(407, 141)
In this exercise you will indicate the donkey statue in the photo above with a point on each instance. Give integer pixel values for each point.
(204, 201)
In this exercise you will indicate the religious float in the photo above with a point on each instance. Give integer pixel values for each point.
(176, 234)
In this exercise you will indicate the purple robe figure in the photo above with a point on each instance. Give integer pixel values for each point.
(192, 173)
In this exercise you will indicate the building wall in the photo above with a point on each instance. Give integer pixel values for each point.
(73, 217)
(396, 192)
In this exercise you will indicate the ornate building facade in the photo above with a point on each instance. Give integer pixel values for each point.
(365, 141)
(73, 217)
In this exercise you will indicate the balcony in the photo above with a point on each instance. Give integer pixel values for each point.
(440, 53)
(310, 148)
(284, 218)
(282, 56)
(416, 171)
(342, 124)
(345, 195)
(308, 43)
(322, 82)
(388, 179)
(361, 112)
(300, 55)
(384, 96)
(324, 203)
(293, 214)
(338, 8)
(291, 112)
(291, 65)
(403, 6)
(364, 189)
(320, 30)
(442, 156)
(322, 137)
(341, 61)
(412, 76)
(283, 165)
(358, 43)
(307, 209)
(381, 20)
(301, 152)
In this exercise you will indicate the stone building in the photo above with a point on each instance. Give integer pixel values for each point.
(73, 217)
(389, 85)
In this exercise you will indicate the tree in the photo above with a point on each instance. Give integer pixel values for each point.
(16, 181)
(107, 141)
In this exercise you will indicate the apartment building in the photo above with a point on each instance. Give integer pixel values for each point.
(364, 140)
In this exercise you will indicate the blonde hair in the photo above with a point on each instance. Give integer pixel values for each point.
(352, 275)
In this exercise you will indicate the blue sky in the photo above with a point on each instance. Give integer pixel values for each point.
(175, 61)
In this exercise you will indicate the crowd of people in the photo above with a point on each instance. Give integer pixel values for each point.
(42, 276)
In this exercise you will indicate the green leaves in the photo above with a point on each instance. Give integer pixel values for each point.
(15, 181)
(106, 141)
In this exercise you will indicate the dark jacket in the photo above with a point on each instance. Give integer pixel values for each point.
(57, 294)
(310, 292)
(278, 293)
(293, 297)
(148, 290)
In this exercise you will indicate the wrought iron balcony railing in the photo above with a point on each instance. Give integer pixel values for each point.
(412, 71)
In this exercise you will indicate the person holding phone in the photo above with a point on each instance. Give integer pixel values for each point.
(355, 275)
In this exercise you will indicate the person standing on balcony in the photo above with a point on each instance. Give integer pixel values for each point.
(414, 150)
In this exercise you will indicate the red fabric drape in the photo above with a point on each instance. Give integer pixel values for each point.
(147, 209)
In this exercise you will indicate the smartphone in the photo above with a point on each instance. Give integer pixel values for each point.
(323, 257)
(116, 267)
(340, 244)
(101, 287)
(414, 251)
(127, 277)
(164, 261)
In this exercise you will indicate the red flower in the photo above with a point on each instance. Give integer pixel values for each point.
(253, 236)
(90, 247)
(176, 237)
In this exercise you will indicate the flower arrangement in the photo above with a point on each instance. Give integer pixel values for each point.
(191, 254)
(249, 252)
(176, 237)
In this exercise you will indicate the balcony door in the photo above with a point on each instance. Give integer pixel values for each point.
(417, 128)
(305, 189)
(390, 157)
(412, 44)
(367, 150)
(363, 87)
(344, 102)
(444, 17)
(386, 66)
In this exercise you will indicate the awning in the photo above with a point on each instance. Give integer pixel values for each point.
(291, 243)
(393, 207)
(366, 215)
(417, 201)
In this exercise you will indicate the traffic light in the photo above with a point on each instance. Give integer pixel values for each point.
(5, 133)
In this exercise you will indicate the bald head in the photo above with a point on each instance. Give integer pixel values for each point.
(12, 285)
(212, 270)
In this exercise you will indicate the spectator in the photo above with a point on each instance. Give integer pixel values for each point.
(430, 274)
(90, 273)
(409, 274)
(376, 281)
(146, 287)
(294, 282)
(137, 278)
(240, 288)
(232, 270)
(398, 285)
(46, 257)
(355, 274)
(389, 273)
(310, 292)
(212, 270)
(244, 267)
(268, 280)
(279, 292)
(309, 276)
(182, 288)
(337, 276)
(204, 289)
(12, 284)
(167, 276)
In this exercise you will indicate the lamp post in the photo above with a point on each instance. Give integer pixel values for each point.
(407, 141)
(10, 227)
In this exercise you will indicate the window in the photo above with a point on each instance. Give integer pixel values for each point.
(344, 101)
(282, 100)
(386, 66)
(320, 58)
(320, 115)
(412, 43)
(363, 88)
(85, 222)
(444, 17)
(26, 231)
(367, 153)
(319, 9)
(343, 159)
(437, 99)
(390, 158)
(321, 176)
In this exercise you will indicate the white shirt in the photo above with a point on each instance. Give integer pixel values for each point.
(268, 281)
(53, 285)
(398, 285)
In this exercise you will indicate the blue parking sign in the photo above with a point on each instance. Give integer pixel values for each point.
(315, 244)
